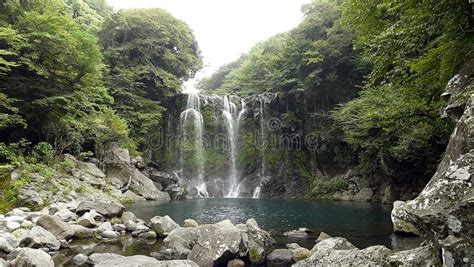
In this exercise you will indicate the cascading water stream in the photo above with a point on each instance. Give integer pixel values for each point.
(192, 115)
(228, 114)
(256, 192)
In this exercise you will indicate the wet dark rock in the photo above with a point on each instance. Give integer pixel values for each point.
(236, 263)
(280, 258)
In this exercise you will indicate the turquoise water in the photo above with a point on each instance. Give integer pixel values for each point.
(364, 224)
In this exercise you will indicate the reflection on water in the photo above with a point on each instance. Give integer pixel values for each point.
(125, 245)
(364, 224)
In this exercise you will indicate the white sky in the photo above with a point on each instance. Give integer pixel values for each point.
(225, 29)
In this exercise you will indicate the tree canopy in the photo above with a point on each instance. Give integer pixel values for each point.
(149, 54)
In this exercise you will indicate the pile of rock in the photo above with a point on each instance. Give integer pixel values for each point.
(213, 244)
(443, 213)
(22, 232)
(121, 181)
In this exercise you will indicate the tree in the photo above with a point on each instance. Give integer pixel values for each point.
(52, 78)
(149, 53)
(415, 47)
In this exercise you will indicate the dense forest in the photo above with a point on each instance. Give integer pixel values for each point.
(76, 76)
(371, 73)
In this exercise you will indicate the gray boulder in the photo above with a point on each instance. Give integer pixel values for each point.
(402, 223)
(104, 227)
(163, 225)
(4, 263)
(66, 215)
(143, 186)
(28, 257)
(150, 235)
(110, 234)
(190, 223)
(335, 243)
(300, 254)
(12, 226)
(8, 242)
(38, 237)
(97, 258)
(340, 252)
(297, 234)
(80, 259)
(164, 178)
(216, 243)
(280, 258)
(422, 256)
(82, 232)
(133, 197)
(128, 216)
(114, 154)
(87, 220)
(56, 226)
(364, 194)
(107, 209)
(323, 236)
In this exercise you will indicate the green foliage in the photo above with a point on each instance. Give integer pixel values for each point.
(43, 153)
(10, 188)
(81, 189)
(67, 165)
(150, 53)
(51, 76)
(316, 58)
(415, 47)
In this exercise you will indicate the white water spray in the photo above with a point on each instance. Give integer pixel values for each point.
(228, 114)
(192, 115)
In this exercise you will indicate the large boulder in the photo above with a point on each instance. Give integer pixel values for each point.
(164, 178)
(88, 172)
(38, 237)
(28, 257)
(401, 220)
(163, 225)
(107, 209)
(340, 252)
(143, 186)
(115, 154)
(422, 256)
(280, 258)
(56, 226)
(444, 211)
(127, 177)
(8, 242)
(82, 232)
(218, 243)
(87, 220)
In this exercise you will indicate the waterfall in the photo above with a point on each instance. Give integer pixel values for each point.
(192, 115)
(228, 114)
(241, 114)
(256, 192)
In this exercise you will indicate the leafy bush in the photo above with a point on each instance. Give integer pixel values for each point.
(43, 153)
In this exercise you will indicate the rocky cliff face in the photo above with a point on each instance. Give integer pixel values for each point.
(444, 211)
